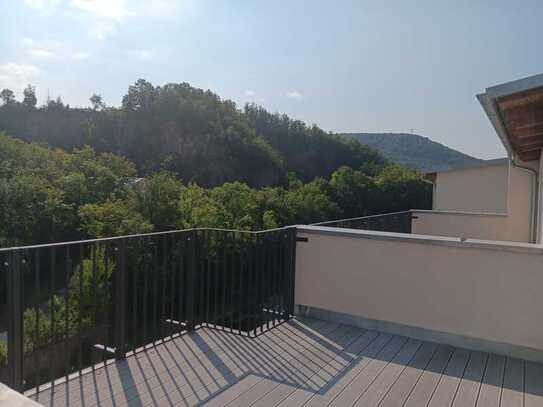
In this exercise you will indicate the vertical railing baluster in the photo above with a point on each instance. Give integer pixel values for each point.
(231, 280)
(154, 272)
(241, 268)
(135, 273)
(52, 310)
(145, 295)
(258, 294)
(282, 264)
(94, 271)
(37, 338)
(120, 301)
(215, 278)
(207, 279)
(15, 322)
(191, 243)
(223, 279)
(267, 285)
(68, 267)
(181, 296)
(164, 280)
(198, 286)
(80, 303)
(273, 261)
(172, 267)
(250, 280)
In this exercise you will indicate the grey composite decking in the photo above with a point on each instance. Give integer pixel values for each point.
(305, 362)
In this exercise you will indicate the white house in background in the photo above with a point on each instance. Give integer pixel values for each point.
(496, 199)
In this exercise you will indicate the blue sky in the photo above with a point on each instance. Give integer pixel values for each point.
(374, 66)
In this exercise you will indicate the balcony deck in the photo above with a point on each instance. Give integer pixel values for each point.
(305, 362)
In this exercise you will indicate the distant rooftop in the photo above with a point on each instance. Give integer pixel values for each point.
(481, 164)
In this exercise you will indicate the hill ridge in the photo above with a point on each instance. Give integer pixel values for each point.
(413, 150)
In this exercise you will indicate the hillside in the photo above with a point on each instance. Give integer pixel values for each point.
(412, 150)
(191, 132)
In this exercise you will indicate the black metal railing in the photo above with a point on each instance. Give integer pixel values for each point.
(397, 222)
(71, 306)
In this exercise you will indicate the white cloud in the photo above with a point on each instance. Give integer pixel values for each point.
(251, 96)
(119, 10)
(160, 8)
(42, 4)
(294, 94)
(27, 42)
(41, 53)
(40, 48)
(109, 9)
(102, 30)
(81, 55)
(17, 76)
(143, 54)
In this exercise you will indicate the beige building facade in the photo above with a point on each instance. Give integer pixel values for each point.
(496, 199)
(489, 201)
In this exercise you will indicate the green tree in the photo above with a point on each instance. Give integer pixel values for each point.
(7, 96)
(140, 96)
(353, 192)
(112, 218)
(157, 199)
(97, 102)
(29, 97)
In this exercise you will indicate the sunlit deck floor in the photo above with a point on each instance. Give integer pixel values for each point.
(305, 362)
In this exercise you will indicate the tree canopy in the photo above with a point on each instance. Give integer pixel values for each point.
(49, 195)
(190, 132)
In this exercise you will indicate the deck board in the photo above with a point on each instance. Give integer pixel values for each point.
(280, 391)
(363, 380)
(468, 392)
(304, 362)
(450, 381)
(513, 384)
(533, 385)
(491, 387)
(375, 392)
(327, 376)
(424, 389)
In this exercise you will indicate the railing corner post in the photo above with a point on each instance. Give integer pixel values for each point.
(293, 235)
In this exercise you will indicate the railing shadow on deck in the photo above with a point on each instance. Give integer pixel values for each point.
(201, 366)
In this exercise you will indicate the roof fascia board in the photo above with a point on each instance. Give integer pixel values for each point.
(493, 114)
(517, 86)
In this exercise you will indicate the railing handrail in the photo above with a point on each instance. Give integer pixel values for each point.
(360, 217)
(113, 238)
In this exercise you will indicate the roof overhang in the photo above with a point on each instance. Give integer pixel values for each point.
(515, 109)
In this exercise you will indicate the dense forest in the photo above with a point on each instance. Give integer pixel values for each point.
(178, 157)
(190, 132)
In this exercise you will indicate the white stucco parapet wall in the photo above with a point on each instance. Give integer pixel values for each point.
(478, 294)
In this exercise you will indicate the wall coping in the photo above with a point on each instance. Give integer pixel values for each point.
(516, 247)
(459, 213)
